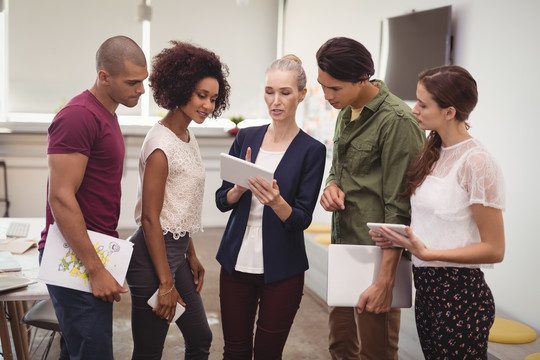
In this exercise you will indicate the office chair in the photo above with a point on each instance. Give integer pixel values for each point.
(42, 316)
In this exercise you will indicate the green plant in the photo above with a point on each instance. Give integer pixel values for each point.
(236, 119)
(62, 104)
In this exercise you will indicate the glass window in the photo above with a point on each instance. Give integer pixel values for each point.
(50, 46)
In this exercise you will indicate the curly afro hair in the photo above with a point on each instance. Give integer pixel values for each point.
(177, 70)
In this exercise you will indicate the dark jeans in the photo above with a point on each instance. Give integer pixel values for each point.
(85, 321)
(149, 330)
(278, 302)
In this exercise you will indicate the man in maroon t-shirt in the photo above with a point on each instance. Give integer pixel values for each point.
(85, 155)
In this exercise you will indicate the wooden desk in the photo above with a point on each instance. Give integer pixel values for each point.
(15, 301)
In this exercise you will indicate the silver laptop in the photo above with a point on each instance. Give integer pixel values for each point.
(8, 262)
(12, 282)
(353, 268)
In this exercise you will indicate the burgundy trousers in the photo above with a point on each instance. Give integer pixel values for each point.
(242, 297)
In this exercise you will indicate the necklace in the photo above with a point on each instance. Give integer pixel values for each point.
(183, 136)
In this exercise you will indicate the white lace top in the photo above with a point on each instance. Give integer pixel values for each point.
(184, 188)
(465, 174)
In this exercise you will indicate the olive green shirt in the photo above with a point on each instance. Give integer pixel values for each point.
(370, 158)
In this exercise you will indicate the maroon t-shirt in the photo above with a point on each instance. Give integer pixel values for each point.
(85, 126)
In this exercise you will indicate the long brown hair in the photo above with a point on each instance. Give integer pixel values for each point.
(449, 85)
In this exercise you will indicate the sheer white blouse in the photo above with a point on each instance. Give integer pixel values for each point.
(442, 218)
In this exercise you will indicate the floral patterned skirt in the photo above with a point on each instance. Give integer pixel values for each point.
(454, 311)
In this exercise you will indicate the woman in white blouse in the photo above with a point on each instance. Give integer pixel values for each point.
(190, 82)
(457, 198)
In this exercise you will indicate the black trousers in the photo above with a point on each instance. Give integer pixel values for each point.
(149, 331)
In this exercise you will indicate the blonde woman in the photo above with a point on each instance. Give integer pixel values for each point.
(262, 251)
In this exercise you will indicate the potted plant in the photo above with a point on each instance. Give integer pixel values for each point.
(236, 120)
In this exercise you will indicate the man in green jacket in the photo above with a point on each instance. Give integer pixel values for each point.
(376, 138)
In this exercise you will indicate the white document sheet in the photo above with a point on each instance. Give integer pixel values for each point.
(60, 266)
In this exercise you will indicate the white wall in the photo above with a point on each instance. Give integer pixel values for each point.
(496, 41)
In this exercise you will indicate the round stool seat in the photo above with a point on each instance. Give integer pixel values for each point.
(323, 238)
(511, 332)
(42, 315)
(535, 356)
(319, 228)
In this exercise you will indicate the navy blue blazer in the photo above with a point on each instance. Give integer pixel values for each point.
(299, 176)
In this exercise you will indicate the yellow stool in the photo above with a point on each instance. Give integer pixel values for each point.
(323, 238)
(511, 332)
(535, 356)
(319, 228)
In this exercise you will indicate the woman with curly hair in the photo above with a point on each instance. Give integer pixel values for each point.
(190, 82)
(457, 197)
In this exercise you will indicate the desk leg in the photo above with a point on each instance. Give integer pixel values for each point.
(18, 332)
(24, 329)
(4, 334)
(26, 306)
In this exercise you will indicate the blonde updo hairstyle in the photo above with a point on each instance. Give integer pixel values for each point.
(291, 63)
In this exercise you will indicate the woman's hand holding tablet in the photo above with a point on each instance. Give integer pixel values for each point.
(375, 227)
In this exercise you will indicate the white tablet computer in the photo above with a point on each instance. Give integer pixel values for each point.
(399, 228)
(238, 171)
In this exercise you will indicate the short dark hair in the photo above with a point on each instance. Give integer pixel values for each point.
(345, 59)
(177, 70)
(115, 51)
